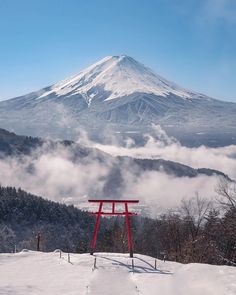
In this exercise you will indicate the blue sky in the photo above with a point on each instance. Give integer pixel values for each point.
(191, 42)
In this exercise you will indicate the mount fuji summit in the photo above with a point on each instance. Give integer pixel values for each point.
(120, 97)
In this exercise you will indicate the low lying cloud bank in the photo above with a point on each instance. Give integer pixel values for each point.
(159, 191)
(222, 158)
(56, 175)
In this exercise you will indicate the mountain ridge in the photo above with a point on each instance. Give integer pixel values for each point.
(121, 75)
(120, 95)
(18, 146)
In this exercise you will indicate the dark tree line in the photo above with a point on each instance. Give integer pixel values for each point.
(23, 216)
(197, 232)
(200, 231)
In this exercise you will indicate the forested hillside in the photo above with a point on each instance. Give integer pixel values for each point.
(12, 144)
(195, 232)
(23, 216)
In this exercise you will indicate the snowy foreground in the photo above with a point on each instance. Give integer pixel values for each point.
(46, 273)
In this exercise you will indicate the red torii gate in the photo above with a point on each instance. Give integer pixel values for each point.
(113, 212)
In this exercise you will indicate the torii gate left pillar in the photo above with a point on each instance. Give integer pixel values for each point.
(113, 212)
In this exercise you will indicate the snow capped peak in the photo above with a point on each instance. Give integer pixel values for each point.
(119, 76)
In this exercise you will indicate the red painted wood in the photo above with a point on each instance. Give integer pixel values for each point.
(114, 201)
(126, 213)
(96, 228)
(128, 230)
(114, 214)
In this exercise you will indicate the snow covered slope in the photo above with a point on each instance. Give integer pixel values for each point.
(120, 76)
(119, 95)
(46, 273)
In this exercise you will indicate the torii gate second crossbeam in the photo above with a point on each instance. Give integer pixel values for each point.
(113, 212)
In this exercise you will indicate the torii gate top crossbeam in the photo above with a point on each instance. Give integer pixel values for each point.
(113, 201)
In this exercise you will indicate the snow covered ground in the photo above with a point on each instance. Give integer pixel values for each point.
(46, 273)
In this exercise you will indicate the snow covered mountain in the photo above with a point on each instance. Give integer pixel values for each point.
(120, 96)
(119, 76)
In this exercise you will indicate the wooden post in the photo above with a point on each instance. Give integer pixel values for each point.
(155, 264)
(60, 253)
(95, 262)
(69, 257)
(96, 229)
(128, 230)
(38, 239)
(132, 264)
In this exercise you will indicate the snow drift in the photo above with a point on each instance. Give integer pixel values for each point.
(48, 274)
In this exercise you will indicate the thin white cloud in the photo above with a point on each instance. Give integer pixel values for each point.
(224, 10)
